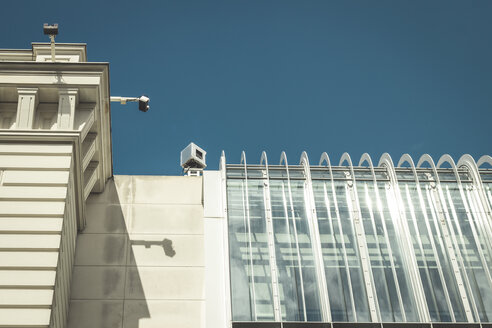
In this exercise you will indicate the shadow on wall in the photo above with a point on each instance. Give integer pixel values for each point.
(166, 244)
(106, 285)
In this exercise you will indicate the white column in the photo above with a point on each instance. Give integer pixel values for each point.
(68, 100)
(28, 101)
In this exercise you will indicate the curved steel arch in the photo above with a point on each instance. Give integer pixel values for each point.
(426, 158)
(446, 158)
(346, 157)
(283, 159)
(484, 159)
(264, 159)
(304, 159)
(325, 159)
(317, 251)
(366, 158)
(243, 159)
(468, 162)
(406, 158)
(448, 239)
(270, 237)
(386, 161)
(225, 241)
(222, 161)
(368, 278)
(248, 221)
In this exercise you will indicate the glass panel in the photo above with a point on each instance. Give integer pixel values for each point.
(334, 259)
(352, 263)
(380, 253)
(486, 176)
(248, 248)
(396, 236)
(235, 173)
(277, 173)
(310, 283)
(364, 174)
(446, 175)
(255, 173)
(466, 232)
(425, 249)
(292, 308)
(405, 175)
(299, 295)
(320, 174)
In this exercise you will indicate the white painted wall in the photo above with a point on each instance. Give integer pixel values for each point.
(215, 251)
(37, 233)
(140, 260)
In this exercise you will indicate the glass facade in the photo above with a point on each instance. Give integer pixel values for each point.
(360, 243)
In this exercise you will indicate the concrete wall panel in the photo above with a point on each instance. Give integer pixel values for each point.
(101, 249)
(166, 250)
(107, 218)
(140, 259)
(166, 219)
(160, 283)
(212, 196)
(96, 314)
(98, 282)
(158, 314)
(167, 190)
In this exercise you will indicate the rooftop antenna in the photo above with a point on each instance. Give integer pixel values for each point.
(52, 31)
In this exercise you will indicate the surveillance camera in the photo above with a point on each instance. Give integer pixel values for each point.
(50, 29)
(143, 103)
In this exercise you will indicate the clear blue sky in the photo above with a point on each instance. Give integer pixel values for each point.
(357, 76)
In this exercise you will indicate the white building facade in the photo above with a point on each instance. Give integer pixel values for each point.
(249, 245)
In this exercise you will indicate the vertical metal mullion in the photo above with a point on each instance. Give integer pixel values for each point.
(327, 205)
(390, 252)
(362, 245)
(411, 259)
(461, 258)
(250, 248)
(431, 237)
(271, 245)
(316, 245)
(289, 190)
(483, 221)
(347, 269)
(421, 247)
(451, 252)
(227, 268)
(400, 222)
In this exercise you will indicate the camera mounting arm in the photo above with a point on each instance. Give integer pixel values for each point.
(143, 101)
